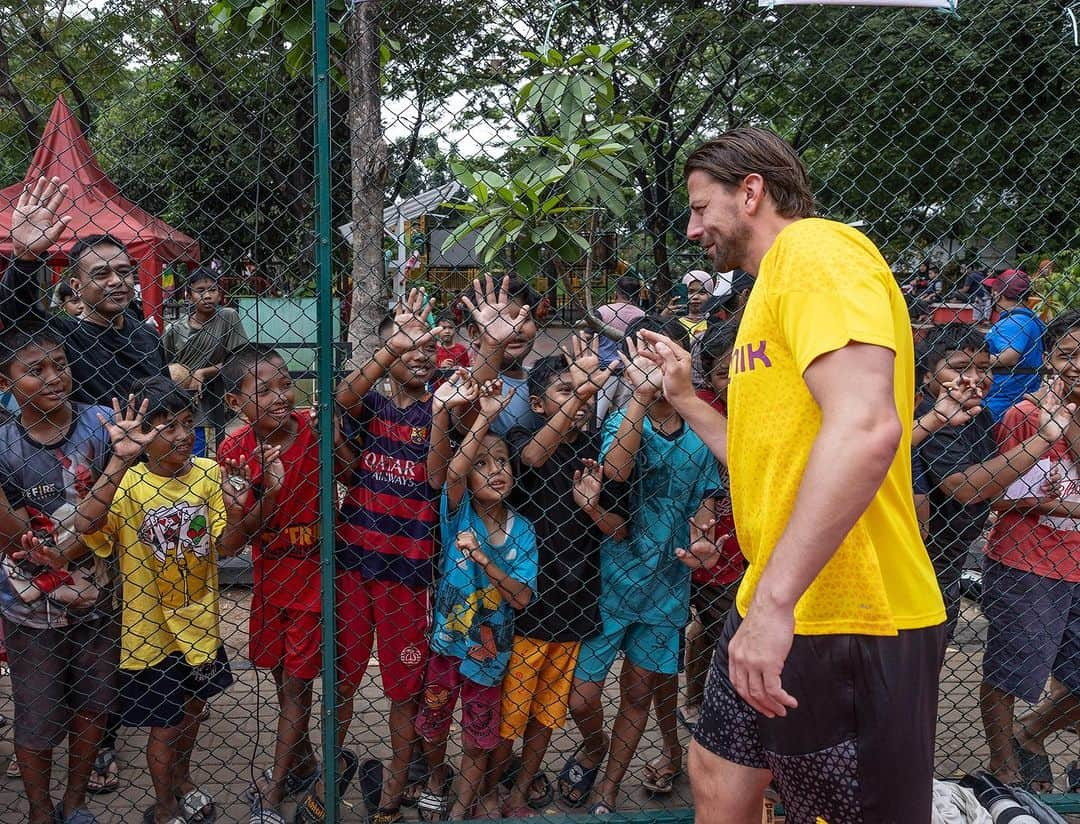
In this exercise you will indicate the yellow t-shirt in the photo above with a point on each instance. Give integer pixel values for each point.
(696, 328)
(821, 286)
(164, 531)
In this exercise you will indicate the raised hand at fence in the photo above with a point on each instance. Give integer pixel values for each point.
(643, 374)
(586, 372)
(491, 311)
(126, 432)
(34, 222)
(1055, 415)
(457, 392)
(674, 362)
(411, 327)
(704, 548)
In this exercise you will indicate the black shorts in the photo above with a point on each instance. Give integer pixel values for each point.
(859, 747)
(156, 696)
(56, 673)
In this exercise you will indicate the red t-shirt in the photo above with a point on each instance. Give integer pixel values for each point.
(730, 567)
(286, 553)
(455, 352)
(1046, 545)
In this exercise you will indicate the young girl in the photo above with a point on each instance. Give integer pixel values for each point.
(489, 568)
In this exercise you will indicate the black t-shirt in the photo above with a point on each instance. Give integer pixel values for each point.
(953, 525)
(105, 361)
(566, 606)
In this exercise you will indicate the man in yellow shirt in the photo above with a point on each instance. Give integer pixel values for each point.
(825, 680)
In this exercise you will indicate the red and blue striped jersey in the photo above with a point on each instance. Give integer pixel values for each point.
(388, 517)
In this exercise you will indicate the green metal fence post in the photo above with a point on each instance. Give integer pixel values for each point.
(325, 384)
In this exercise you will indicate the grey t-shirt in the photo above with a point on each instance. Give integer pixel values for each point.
(48, 481)
(210, 344)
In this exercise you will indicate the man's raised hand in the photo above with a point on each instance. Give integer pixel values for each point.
(490, 309)
(34, 224)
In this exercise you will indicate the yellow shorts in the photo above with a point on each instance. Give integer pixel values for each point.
(537, 685)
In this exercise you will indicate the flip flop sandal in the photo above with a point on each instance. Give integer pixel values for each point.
(600, 808)
(148, 817)
(197, 807)
(80, 816)
(432, 806)
(103, 766)
(371, 784)
(295, 785)
(312, 809)
(1034, 766)
(579, 778)
(265, 815)
(546, 794)
(660, 781)
(386, 817)
(417, 780)
(686, 722)
(1072, 774)
(12, 770)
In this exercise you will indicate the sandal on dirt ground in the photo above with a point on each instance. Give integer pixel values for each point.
(1034, 767)
(197, 806)
(80, 816)
(295, 785)
(312, 809)
(660, 780)
(105, 775)
(578, 779)
(370, 779)
(265, 815)
(432, 806)
(541, 792)
(1072, 775)
(148, 817)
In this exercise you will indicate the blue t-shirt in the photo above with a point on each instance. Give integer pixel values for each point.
(472, 622)
(642, 580)
(1021, 330)
(517, 411)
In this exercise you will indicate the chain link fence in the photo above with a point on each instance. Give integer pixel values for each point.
(278, 539)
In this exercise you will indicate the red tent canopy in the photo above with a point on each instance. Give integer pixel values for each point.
(96, 207)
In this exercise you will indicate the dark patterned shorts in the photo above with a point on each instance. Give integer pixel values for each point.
(859, 747)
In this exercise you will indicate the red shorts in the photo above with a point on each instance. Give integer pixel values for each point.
(289, 638)
(399, 616)
(480, 705)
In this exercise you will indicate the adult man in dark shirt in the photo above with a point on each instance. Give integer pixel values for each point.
(962, 468)
(109, 346)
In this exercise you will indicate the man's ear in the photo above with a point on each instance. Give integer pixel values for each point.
(754, 189)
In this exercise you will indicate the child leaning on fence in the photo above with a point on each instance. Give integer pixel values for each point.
(1031, 573)
(386, 539)
(488, 573)
(560, 490)
(645, 577)
(58, 619)
(279, 449)
(167, 521)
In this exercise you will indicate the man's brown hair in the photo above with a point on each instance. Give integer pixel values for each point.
(733, 155)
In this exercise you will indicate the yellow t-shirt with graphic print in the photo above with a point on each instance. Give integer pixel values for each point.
(164, 532)
(821, 286)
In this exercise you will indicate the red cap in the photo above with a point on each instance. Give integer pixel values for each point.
(1012, 283)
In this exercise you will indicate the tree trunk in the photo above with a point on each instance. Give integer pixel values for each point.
(369, 169)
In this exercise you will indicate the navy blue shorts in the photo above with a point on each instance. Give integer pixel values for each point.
(1034, 631)
(859, 749)
(156, 696)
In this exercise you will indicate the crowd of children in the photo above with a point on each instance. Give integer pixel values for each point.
(498, 544)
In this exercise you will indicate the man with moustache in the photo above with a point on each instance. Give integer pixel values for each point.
(825, 679)
(109, 346)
